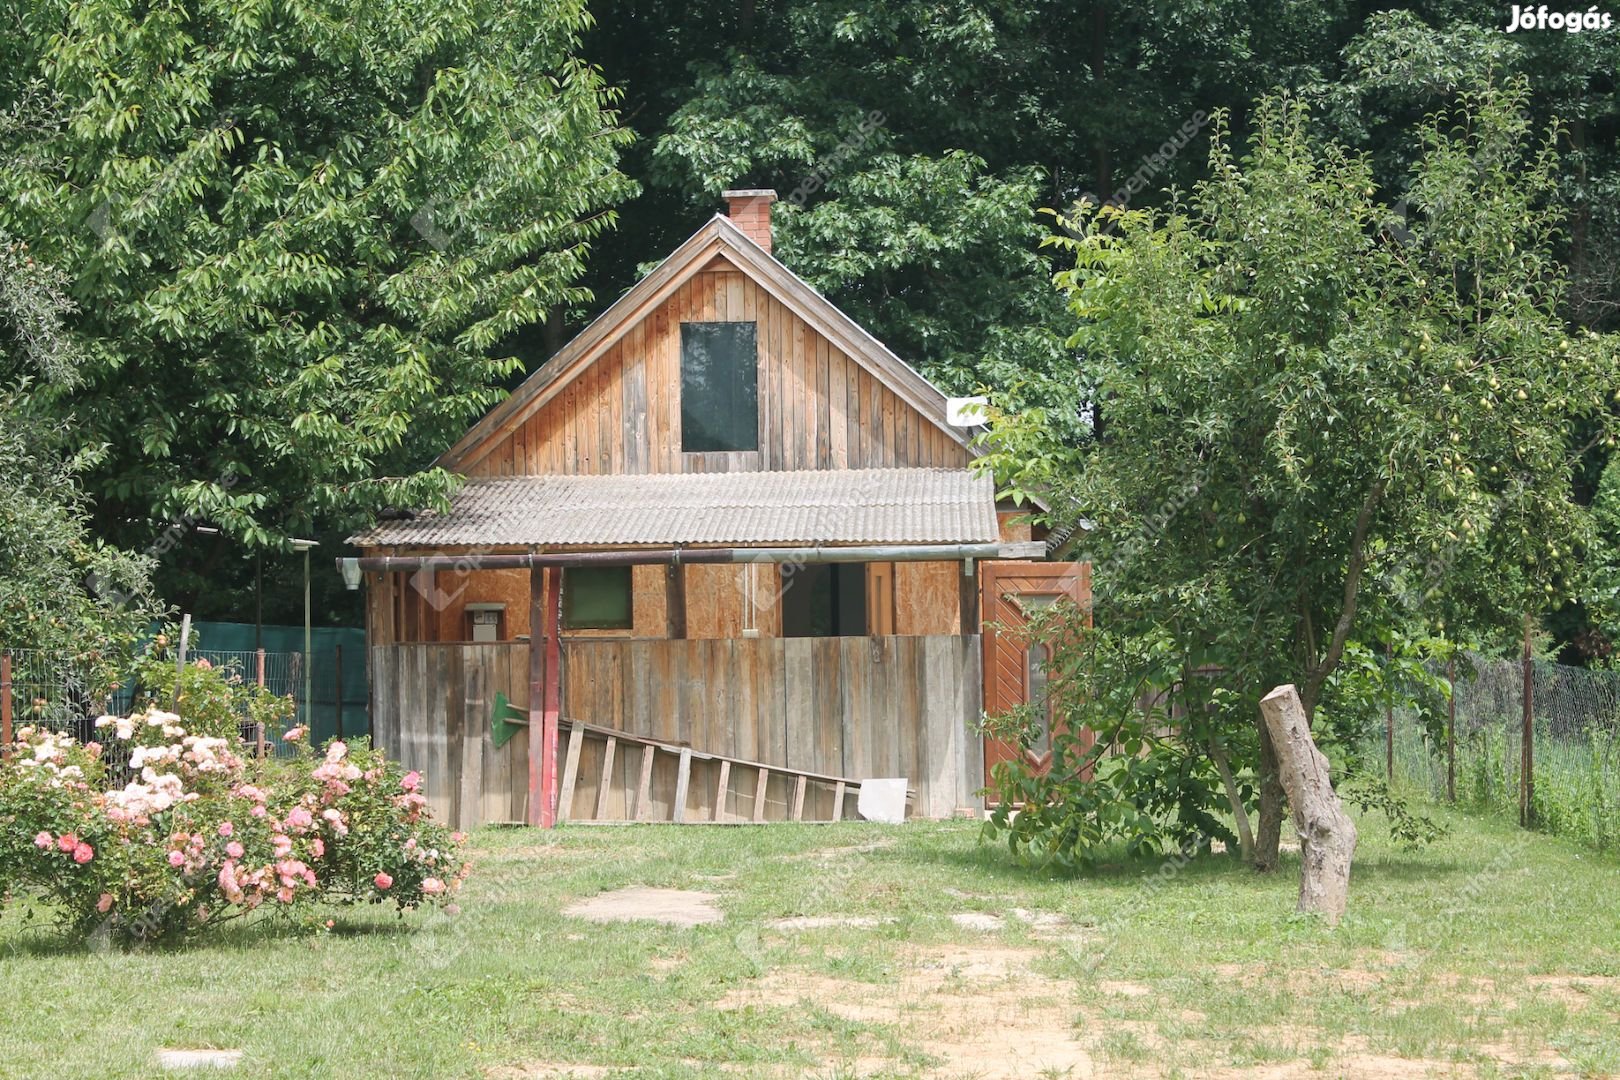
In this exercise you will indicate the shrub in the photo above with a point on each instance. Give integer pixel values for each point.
(194, 832)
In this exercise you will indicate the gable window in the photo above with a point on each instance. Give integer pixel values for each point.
(597, 598)
(719, 387)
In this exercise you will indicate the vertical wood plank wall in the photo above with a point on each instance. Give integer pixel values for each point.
(819, 408)
(431, 707)
(857, 707)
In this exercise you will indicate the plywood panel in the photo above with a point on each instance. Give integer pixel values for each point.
(927, 597)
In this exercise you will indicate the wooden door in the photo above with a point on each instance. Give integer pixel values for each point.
(1014, 673)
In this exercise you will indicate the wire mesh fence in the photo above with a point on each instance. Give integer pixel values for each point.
(1476, 749)
(67, 693)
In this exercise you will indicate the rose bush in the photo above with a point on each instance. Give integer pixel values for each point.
(194, 831)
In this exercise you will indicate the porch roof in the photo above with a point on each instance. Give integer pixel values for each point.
(838, 506)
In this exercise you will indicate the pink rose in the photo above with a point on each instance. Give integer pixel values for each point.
(226, 828)
(105, 903)
(83, 854)
(67, 842)
(299, 818)
(383, 881)
(317, 847)
(282, 844)
(234, 849)
(177, 859)
(93, 749)
(284, 894)
(411, 781)
(295, 734)
(432, 886)
(43, 841)
(257, 811)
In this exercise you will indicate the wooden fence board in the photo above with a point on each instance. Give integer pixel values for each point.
(836, 707)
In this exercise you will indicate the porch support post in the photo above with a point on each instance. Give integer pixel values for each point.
(537, 692)
(970, 598)
(553, 691)
(675, 602)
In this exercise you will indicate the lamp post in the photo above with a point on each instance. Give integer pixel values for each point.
(309, 672)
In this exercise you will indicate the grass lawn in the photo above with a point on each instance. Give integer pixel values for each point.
(1490, 954)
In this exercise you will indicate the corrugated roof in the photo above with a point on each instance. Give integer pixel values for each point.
(847, 506)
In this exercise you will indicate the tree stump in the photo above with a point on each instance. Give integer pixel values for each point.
(1327, 836)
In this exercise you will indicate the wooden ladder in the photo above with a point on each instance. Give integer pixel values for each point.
(641, 798)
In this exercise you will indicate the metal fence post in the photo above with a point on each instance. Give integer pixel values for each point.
(337, 687)
(258, 737)
(1451, 730)
(1527, 781)
(1389, 713)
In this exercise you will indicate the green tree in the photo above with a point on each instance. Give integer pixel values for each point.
(1321, 427)
(304, 238)
(60, 589)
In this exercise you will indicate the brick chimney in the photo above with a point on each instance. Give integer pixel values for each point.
(750, 211)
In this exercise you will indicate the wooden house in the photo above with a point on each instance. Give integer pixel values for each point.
(721, 558)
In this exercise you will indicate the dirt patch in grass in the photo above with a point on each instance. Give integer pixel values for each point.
(983, 1010)
(1361, 1066)
(676, 907)
(542, 1070)
(977, 920)
(1573, 990)
(1119, 988)
(978, 1010)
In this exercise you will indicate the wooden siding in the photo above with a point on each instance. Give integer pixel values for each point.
(430, 710)
(819, 408)
(858, 707)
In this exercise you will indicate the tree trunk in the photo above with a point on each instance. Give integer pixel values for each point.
(1268, 829)
(1327, 836)
(1229, 782)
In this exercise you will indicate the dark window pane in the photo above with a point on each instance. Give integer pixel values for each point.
(596, 598)
(719, 387)
(824, 600)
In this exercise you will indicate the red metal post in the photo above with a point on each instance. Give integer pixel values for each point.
(5, 702)
(553, 694)
(537, 692)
